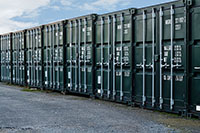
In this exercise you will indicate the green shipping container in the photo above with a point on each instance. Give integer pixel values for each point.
(53, 56)
(79, 54)
(18, 58)
(193, 37)
(34, 54)
(160, 57)
(6, 58)
(113, 56)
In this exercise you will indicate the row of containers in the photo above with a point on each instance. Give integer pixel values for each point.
(147, 57)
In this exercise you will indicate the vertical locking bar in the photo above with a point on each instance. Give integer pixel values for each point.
(71, 32)
(17, 76)
(32, 59)
(38, 54)
(51, 55)
(19, 60)
(161, 55)
(144, 58)
(76, 86)
(153, 59)
(47, 64)
(85, 56)
(114, 37)
(121, 64)
(29, 58)
(58, 55)
(79, 56)
(108, 92)
(102, 40)
(54, 76)
(14, 71)
(172, 57)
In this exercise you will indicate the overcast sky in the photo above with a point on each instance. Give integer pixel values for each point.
(21, 14)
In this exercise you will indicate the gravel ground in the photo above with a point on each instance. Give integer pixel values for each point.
(23, 111)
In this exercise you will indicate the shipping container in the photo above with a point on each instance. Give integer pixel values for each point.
(53, 56)
(113, 56)
(161, 57)
(79, 54)
(147, 56)
(193, 36)
(18, 58)
(34, 54)
(6, 58)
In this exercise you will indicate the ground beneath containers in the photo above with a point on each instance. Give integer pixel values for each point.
(35, 111)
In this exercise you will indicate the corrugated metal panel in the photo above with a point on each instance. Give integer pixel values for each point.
(18, 58)
(34, 57)
(160, 61)
(53, 56)
(6, 58)
(113, 54)
(79, 54)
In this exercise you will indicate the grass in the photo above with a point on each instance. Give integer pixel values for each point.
(31, 90)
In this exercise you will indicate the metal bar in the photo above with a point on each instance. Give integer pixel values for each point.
(28, 59)
(161, 55)
(122, 39)
(19, 67)
(108, 92)
(153, 59)
(47, 64)
(51, 55)
(14, 72)
(114, 37)
(17, 59)
(58, 67)
(85, 56)
(34, 60)
(32, 63)
(102, 40)
(37, 45)
(172, 57)
(144, 59)
(79, 56)
(71, 55)
(76, 85)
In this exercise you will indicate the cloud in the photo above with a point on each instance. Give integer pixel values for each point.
(11, 9)
(105, 5)
(66, 2)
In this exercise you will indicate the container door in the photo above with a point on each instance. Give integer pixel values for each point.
(172, 59)
(145, 50)
(103, 58)
(195, 61)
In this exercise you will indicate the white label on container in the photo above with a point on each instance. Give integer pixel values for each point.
(197, 68)
(125, 31)
(45, 73)
(69, 75)
(99, 80)
(168, 21)
(178, 27)
(99, 91)
(166, 54)
(197, 108)
(27, 73)
(46, 82)
(89, 28)
(69, 85)
(119, 27)
(127, 26)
